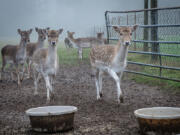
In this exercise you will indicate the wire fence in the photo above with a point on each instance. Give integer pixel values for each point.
(156, 43)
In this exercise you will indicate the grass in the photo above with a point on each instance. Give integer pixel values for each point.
(69, 56)
(163, 84)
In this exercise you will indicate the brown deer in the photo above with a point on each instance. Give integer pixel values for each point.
(32, 47)
(81, 43)
(67, 43)
(111, 59)
(45, 62)
(15, 55)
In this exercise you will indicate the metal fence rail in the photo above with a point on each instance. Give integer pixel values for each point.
(156, 43)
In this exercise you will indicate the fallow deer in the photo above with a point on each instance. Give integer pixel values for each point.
(15, 55)
(67, 43)
(32, 47)
(111, 59)
(81, 43)
(100, 36)
(45, 62)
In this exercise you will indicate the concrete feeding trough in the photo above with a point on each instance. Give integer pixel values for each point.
(52, 118)
(159, 119)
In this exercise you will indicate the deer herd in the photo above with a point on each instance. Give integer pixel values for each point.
(42, 62)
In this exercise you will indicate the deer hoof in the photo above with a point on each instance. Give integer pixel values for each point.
(52, 95)
(101, 95)
(121, 99)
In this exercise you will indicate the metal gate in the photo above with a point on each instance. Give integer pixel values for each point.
(155, 51)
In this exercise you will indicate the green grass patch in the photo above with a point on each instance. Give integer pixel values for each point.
(163, 84)
(69, 56)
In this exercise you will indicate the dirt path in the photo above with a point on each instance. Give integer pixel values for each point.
(74, 86)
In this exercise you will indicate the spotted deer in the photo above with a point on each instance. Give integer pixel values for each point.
(15, 55)
(81, 43)
(45, 62)
(111, 59)
(32, 47)
(100, 36)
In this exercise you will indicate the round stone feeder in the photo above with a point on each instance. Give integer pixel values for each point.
(159, 119)
(52, 118)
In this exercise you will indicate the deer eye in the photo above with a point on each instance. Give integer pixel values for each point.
(121, 34)
(131, 34)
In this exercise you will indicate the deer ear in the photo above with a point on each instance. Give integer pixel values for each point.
(19, 31)
(30, 31)
(60, 31)
(36, 29)
(116, 28)
(134, 27)
(47, 28)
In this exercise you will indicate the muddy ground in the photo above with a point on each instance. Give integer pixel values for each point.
(74, 86)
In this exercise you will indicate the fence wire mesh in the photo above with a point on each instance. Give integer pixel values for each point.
(155, 50)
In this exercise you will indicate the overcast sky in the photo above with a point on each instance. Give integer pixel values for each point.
(74, 15)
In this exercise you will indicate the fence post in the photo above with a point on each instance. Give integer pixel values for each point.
(135, 31)
(145, 47)
(127, 20)
(107, 27)
(154, 30)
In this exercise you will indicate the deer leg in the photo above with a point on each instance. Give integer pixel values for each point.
(97, 84)
(29, 62)
(12, 74)
(23, 69)
(36, 76)
(117, 80)
(2, 68)
(48, 87)
(80, 53)
(100, 83)
(18, 76)
(120, 78)
(52, 78)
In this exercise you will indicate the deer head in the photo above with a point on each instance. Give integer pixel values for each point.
(125, 33)
(70, 34)
(41, 33)
(25, 35)
(53, 36)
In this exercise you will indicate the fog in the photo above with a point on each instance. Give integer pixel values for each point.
(74, 15)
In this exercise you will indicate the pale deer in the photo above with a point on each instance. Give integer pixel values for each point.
(45, 62)
(32, 47)
(111, 59)
(15, 55)
(81, 43)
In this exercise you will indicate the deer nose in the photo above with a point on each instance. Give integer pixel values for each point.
(28, 40)
(127, 43)
(53, 43)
